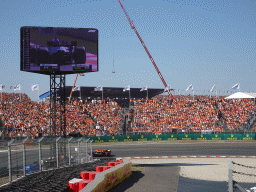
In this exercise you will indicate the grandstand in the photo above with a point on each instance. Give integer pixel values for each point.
(111, 116)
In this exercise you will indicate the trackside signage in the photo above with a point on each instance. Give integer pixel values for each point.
(248, 137)
(142, 138)
(170, 137)
(173, 137)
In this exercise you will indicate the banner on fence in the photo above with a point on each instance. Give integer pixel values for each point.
(170, 137)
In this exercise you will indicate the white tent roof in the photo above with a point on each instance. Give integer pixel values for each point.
(240, 95)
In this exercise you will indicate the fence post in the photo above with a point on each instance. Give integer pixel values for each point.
(9, 160)
(24, 156)
(91, 148)
(69, 151)
(78, 150)
(57, 150)
(40, 154)
(86, 151)
(230, 177)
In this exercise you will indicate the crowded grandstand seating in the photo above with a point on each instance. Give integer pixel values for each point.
(96, 117)
(28, 117)
(202, 113)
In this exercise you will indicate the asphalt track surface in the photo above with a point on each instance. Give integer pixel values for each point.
(182, 149)
(148, 149)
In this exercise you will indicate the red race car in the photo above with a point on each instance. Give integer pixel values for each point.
(101, 153)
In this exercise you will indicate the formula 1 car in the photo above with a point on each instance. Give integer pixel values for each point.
(101, 153)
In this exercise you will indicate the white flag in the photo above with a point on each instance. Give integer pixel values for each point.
(1, 87)
(16, 87)
(144, 88)
(35, 87)
(168, 87)
(99, 88)
(127, 88)
(190, 87)
(214, 86)
(77, 88)
(236, 86)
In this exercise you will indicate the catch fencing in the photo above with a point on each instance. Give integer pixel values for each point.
(242, 178)
(25, 156)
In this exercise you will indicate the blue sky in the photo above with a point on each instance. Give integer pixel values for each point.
(191, 41)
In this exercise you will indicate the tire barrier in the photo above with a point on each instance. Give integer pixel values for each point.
(109, 178)
(52, 180)
(76, 184)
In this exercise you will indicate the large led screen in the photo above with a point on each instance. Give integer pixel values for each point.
(48, 50)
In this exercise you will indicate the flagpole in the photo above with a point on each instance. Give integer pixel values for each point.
(80, 94)
(129, 96)
(102, 91)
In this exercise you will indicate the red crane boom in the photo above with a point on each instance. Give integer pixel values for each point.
(160, 75)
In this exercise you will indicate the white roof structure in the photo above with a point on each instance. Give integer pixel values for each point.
(240, 95)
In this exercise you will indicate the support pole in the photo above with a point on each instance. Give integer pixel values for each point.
(24, 156)
(9, 160)
(78, 150)
(86, 151)
(57, 149)
(69, 151)
(91, 149)
(40, 154)
(230, 178)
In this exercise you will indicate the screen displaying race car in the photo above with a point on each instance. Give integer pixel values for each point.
(60, 50)
(101, 153)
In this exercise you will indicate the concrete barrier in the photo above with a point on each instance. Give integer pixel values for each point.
(109, 178)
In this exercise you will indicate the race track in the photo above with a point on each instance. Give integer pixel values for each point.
(150, 150)
(182, 149)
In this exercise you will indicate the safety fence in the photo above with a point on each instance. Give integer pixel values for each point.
(21, 157)
(170, 137)
(242, 178)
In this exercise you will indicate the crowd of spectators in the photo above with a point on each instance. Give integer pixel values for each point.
(25, 117)
(96, 117)
(188, 113)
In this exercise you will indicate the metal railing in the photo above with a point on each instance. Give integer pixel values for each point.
(240, 177)
(21, 157)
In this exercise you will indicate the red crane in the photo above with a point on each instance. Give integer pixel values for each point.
(160, 75)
